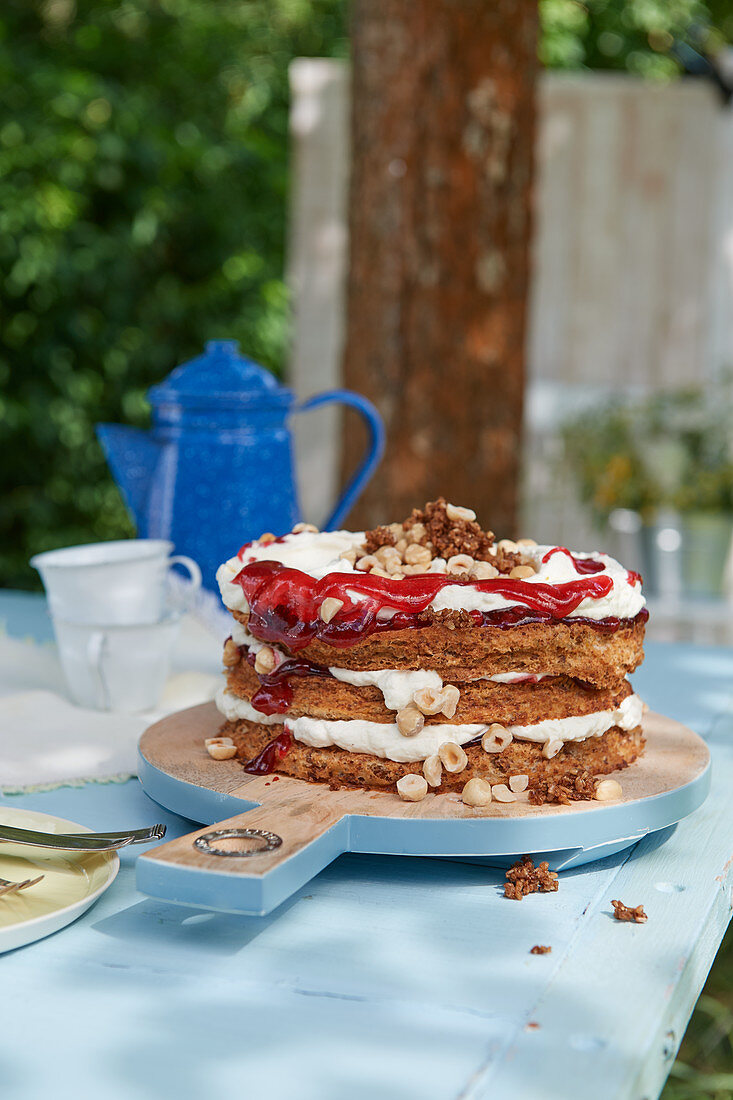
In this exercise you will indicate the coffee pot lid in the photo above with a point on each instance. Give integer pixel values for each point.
(220, 378)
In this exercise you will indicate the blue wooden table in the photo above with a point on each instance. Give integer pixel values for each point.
(385, 977)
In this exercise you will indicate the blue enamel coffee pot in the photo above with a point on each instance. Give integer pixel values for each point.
(216, 469)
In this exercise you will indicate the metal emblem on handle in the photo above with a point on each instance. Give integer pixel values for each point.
(270, 841)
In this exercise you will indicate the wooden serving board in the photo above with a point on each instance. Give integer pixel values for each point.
(312, 824)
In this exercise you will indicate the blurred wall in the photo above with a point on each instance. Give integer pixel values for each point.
(633, 282)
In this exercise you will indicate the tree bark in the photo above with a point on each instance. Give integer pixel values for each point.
(439, 220)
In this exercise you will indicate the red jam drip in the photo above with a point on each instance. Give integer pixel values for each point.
(275, 693)
(582, 565)
(284, 602)
(273, 752)
(633, 577)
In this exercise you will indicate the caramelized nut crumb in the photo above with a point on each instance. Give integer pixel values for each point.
(629, 913)
(524, 878)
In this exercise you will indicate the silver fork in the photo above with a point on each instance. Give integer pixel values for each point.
(81, 842)
(8, 887)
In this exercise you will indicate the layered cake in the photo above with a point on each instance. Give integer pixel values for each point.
(425, 656)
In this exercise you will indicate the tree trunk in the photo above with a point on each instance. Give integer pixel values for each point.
(439, 222)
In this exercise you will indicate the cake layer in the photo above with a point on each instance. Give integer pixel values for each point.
(480, 700)
(610, 752)
(387, 740)
(565, 648)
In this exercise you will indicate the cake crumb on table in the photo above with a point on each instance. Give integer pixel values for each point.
(524, 878)
(629, 913)
(540, 949)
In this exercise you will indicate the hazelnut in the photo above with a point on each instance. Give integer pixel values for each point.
(551, 748)
(435, 700)
(409, 721)
(432, 769)
(477, 792)
(349, 556)
(220, 748)
(366, 563)
(377, 571)
(508, 545)
(453, 757)
(521, 572)
(330, 607)
(454, 511)
(416, 532)
(526, 542)
(501, 793)
(300, 527)
(496, 739)
(385, 554)
(412, 788)
(460, 563)
(401, 545)
(267, 538)
(417, 554)
(231, 655)
(518, 783)
(265, 661)
(483, 571)
(608, 790)
(451, 695)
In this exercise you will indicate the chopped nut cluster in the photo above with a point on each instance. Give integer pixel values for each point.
(540, 949)
(440, 538)
(576, 785)
(626, 912)
(524, 878)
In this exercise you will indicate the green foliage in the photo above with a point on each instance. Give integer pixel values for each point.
(705, 1060)
(672, 450)
(143, 187)
(629, 35)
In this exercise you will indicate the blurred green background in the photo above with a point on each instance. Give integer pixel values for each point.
(143, 200)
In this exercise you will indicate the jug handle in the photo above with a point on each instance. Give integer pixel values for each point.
(375, 448)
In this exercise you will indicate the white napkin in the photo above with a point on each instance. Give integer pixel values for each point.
(46, 741)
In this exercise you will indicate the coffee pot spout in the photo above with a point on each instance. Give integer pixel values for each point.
(133, 457)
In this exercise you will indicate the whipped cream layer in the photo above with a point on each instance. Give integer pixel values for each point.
(385, 740)
(317, 554)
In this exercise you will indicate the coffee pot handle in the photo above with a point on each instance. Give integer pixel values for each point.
(375, 448)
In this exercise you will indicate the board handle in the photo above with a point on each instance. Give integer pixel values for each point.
(253, 861)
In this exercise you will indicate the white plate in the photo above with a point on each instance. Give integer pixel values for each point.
(72, 881)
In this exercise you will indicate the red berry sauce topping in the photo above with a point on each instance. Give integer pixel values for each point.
(582, 565)
(284, 603)
(275, 694)
(273, 752)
